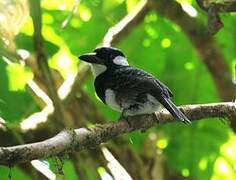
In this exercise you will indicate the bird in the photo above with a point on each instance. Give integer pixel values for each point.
(127, 89)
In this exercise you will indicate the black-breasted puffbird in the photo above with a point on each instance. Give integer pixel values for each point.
(127, 89)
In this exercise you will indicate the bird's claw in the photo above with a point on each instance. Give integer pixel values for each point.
(125, 117)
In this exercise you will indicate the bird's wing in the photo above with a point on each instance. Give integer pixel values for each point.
(133, 82)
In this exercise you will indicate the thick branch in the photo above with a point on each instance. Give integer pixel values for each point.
(213, 8)
(222, 6)
(83, 138)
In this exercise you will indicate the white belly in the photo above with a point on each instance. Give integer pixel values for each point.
(110, 99)
(148, 107)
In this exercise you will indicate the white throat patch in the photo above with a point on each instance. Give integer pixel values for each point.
(98, 69)
(120, 60)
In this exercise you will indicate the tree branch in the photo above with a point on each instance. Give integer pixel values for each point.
(213, 8)
(116, 33)
(41, 58)
(83, 138)
(207, 47)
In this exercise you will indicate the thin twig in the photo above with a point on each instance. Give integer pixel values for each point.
(115, 34)
(70, 15)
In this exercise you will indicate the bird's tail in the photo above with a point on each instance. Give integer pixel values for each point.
(176, 113)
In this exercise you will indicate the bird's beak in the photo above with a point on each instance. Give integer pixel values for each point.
(90, 58)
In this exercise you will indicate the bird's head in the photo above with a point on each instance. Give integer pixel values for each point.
(107, 56)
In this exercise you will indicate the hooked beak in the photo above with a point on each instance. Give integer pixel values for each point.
(90, 58)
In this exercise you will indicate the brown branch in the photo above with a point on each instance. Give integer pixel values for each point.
(205, 44)
(222, 6)
(208, 49)
(41, 58)
(213, 8)
(83, 138)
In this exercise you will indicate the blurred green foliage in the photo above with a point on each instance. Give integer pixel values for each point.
(204, 150)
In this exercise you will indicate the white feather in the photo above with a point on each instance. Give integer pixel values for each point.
(98, 69)
(149, 107)
(110, 99)
(120, 60)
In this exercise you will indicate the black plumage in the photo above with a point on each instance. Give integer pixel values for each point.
(133, 88)
(133, 84)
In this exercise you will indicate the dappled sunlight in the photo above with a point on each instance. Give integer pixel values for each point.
(44, 168)
(2, 123)
(14, 72)
(203, 164)
(189, 66)
(234, 71)
(12, 17)
(162, 143)
(185, 172)
(58, 4)
(76, 23)
(47, 18)
(33, 120)
(85, 13)
(229, 148)
(119, 26)
(146, 42)
(51, 35)
(189, 9)
(151, 17)
(166, 43)
(115, 167)
(27, 27)
(64, 62)
(104, 174)
(23, 53)
(223, 170)
(224, 167)
(39, 92)
(65, 88)
(151, 31)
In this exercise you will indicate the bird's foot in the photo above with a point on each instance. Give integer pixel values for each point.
(125, 117)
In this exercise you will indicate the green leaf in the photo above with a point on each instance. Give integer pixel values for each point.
(14, 172)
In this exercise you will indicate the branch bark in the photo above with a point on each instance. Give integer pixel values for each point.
(41, 58)
(83, 138)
